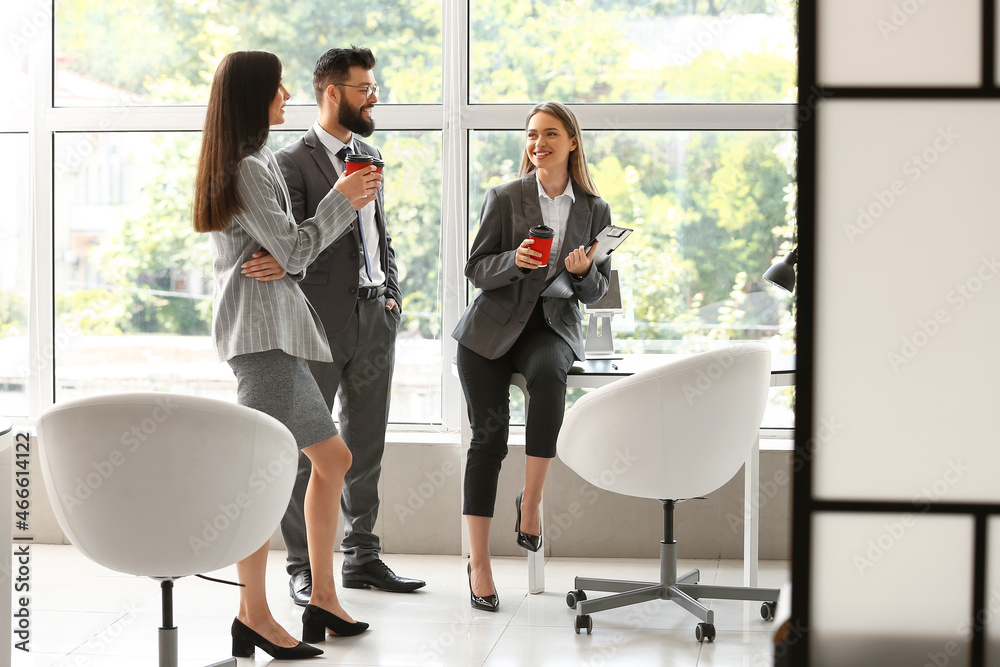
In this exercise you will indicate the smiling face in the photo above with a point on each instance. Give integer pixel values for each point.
(276, 112)
(355, 110)
(547, 143)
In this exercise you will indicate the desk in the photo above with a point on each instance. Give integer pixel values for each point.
(6, 562)
(595, 373)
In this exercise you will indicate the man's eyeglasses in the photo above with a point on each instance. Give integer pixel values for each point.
(369, 88)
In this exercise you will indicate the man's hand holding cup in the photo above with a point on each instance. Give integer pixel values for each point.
(359, 185)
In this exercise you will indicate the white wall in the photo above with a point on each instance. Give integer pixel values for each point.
(421, 510)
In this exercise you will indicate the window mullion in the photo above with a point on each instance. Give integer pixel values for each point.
(644, 116)
(43, 343)
(454, 196)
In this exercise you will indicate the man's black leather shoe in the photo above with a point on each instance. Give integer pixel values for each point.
(377, 574)
(300, 587)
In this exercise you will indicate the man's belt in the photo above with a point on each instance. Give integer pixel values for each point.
(370, 293)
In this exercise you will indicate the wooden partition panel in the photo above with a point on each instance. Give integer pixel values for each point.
(896, 503)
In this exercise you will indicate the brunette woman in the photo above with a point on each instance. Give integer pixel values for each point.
(266, 330)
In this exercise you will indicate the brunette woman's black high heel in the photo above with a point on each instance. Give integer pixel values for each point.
(316, 621)
(245, 640)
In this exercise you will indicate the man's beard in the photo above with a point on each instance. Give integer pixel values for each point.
(354, 121)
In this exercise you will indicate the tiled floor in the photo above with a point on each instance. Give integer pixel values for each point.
(86, 616)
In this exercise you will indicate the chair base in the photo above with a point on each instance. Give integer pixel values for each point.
(168, 651)
(686, 595)
(168, 633)
(683, 590)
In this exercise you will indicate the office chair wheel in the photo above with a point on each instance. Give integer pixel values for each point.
(704, 632)
(575, 596)
(584, 622)
(767, 610)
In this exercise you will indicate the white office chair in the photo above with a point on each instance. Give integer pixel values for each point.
(165, 486)
(686, 427)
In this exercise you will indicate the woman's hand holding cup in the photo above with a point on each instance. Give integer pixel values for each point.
(360, 187)
(537, 256)
(525, 257)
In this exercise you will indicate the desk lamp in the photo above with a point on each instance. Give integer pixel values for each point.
(782, 273)
(600, 343)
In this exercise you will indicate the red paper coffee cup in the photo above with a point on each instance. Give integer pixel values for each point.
(542, 236)
(378, 165)
(354, 162)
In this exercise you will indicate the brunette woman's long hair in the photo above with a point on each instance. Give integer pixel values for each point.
(236, 125)
(578, 169)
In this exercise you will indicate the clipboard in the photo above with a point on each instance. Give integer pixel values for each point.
(608, 240)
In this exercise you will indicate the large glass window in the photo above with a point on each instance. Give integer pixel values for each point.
(155, 52)
(16, 66)
(710, 210)
(134, 281)
(15, 275)
(624, 51)
(22, 25)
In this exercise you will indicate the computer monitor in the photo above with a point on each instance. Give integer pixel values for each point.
(610, 303)
(600, 340)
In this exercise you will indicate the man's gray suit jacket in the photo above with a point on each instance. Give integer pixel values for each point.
(508, 294)
(331, 282)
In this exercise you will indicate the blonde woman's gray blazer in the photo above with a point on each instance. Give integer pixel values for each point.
(508, 294)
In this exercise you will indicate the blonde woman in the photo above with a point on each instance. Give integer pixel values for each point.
(510, 328)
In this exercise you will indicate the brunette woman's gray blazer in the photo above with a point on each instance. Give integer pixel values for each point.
(508, 294)
(254, 316)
